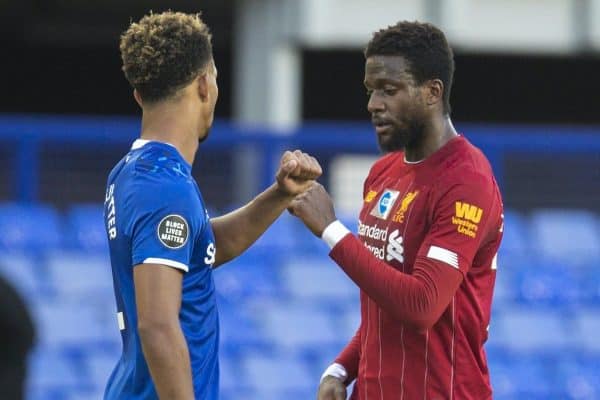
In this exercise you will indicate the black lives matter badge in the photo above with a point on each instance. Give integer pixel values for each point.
(173, 231)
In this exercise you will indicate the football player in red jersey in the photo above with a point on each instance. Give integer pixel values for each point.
(429, 230)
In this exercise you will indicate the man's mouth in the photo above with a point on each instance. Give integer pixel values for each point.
(382, 127)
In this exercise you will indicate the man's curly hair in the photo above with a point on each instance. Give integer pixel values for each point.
(425, 49)
(163, 53)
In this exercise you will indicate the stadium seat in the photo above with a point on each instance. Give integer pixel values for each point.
(237, 330)
(350, 320)
(81, 274)
(505, 288)
(579, 377)
(231, 374)
(99, 366)
(516, 237)
(296, 326)
(317, 279)
(28, 227)
(279, 236)
(84, 228)
(271, 374)
(570, 237)
(253, 274)
(27, 274)
(529, 377)
(547, 284)
(527, 330)
(73, 326)
(588, 327)
(589, 279)
(52, 372)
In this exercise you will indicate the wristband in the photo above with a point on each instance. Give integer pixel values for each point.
(334, 233)
(337, 371)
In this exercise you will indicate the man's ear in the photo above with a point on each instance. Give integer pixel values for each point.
(435, 92)
(202, 86)
(137, 97)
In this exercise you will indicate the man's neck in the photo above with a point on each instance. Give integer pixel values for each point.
(438, 132)
(171, 124)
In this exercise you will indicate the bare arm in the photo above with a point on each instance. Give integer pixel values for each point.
(236, 231)
(158, 299)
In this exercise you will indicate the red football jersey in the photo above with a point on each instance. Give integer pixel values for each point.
(425, 260)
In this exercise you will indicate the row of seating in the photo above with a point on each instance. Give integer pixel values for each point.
(260, 374)
(560, 236)
(286, 309)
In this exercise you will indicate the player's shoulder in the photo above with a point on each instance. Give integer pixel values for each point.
(158, 166)
(154, 176)
(466, 163)
(383, 163)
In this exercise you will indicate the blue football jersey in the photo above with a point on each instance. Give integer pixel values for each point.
(155, 214)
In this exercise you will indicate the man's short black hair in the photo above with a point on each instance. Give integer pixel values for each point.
(423, 46)
(164, 52)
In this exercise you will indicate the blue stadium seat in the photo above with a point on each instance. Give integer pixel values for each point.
(516, 237)
(238, 330)
(231, 373)
(580, 377)
(80, 274)
(253, 274)
(523, 378)
(27, 274)
(298, 327)
(84, 228)
(280, 236)
(99, 366)
(527, 330)
(276, 374)
(28, 227)
(588, 328)
(318, 279)
(53, 373)
(571, 237)
(505, 288)
(74, 326)
(350, 320)
(547, 284)
(590, 285)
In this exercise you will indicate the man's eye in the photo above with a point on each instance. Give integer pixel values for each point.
(389, 92)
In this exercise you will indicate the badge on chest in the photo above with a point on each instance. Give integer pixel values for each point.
(384, 205)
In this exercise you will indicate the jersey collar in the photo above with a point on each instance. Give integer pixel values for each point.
(141, 142)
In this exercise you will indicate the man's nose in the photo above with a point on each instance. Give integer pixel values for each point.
(375, 103)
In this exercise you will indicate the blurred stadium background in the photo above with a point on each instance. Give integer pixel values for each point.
(290, 74)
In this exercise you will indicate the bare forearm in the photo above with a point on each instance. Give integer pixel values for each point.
(236, 231)
(166, 353)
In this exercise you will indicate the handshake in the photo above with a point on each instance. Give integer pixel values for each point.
(311, 203)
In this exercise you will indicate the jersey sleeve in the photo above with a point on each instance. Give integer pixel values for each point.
(464, 210)
(163, 226)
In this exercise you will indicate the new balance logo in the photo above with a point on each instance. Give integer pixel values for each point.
(395, 249)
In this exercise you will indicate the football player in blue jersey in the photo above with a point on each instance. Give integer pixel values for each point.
(163, 245)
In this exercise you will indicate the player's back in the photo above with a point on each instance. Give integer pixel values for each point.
(154, 214)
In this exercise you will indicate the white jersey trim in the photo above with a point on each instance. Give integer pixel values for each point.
(167, 262)
(138, 143)
(337, 371)
(334, 233)
(121, 321)
(443, 255)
